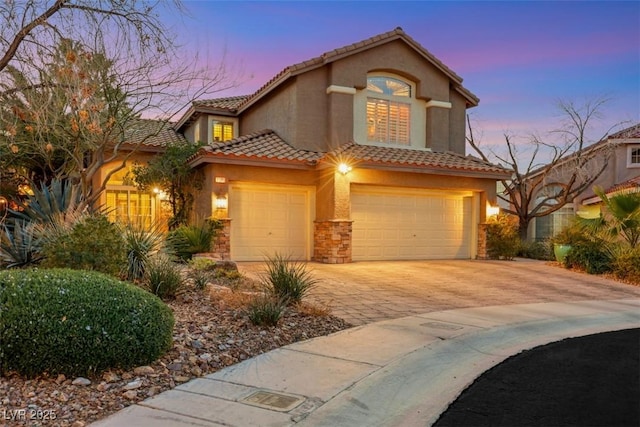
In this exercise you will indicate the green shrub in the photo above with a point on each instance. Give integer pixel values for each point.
(140, 245)
(286, 279)
(626, 265)
(91, 243)
(266, 309)
(187, 240)
(200, 271)
(71, 322)
(163, 277)
(503, 241)
(590, 256)
(542, 250)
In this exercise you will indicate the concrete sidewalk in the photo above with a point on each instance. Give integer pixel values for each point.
(401, 372)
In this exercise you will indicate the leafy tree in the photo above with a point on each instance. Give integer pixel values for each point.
(538, 188)
(170, 172)
(76, 76)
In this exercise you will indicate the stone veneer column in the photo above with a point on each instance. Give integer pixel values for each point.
(332, 241)
(222, 242)
(482, 242)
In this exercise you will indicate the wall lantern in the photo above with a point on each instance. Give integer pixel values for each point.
(344, 168)
(492, 210)
(3, 203)
(221, 202)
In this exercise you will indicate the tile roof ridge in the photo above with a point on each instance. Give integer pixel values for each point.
(396, 33)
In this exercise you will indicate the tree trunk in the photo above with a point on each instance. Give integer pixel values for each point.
(523, 228)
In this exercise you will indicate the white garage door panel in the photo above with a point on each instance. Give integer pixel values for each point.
(266, 220)
(392, 224)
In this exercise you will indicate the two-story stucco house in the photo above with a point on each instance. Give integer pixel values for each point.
(357, 154)
(619, 154)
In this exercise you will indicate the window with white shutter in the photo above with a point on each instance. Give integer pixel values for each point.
(388, 111)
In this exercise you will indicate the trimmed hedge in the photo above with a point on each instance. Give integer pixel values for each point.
(78, 323)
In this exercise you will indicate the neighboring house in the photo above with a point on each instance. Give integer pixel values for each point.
(358, 154)
(622, 153)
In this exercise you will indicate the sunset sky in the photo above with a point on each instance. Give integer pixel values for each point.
(519, 58)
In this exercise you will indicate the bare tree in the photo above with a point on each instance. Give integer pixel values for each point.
(537, 189)
(76, 76)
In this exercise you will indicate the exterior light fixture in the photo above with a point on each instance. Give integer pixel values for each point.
(156, 190)
(344, 168)
(492, 210)
(221, 202)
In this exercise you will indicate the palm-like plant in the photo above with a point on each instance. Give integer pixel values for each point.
(620, 218)
(141, 244)
(19, 244)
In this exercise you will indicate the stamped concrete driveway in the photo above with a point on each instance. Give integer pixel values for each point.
(366, 292)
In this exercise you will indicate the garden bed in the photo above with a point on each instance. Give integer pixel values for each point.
(212, 331)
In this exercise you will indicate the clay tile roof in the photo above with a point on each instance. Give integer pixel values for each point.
(152, 133)
(265, 144)
(335, 54)
(422, 158)
(629, 186)
(231, 103)
(630, 132)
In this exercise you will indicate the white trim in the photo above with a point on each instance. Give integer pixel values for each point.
(630, 148)
(224, 119)
(341, 89)
(439, 104)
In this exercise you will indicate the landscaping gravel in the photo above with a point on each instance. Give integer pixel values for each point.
(211, 332)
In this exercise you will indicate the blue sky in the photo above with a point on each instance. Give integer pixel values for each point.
(519, 58)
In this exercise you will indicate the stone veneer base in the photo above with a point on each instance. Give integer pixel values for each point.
(332, 241)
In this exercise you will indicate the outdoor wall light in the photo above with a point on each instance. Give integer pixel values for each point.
(344, 168)
(221, 202)
(492, 210)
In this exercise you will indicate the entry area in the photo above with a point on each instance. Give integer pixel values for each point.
(268, 219)
(392, 223)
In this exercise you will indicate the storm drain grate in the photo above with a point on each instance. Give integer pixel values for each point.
(439, 325)
(273, 401)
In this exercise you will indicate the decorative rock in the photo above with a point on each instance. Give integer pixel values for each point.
(103, 386)
(174, 366)
(62, 397)
(81, 381)
(110, 377)
(205, 356)
(60, 379)
(196, 344)
(131, 394)
(181, 379)
(143, 370)
(153, 391)
(133, 385)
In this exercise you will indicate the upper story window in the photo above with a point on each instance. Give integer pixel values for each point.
(221, 131)
(633, 158)
(388, 110)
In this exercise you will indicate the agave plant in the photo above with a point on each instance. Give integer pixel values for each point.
(47, 203)
(141, 244)
(19, 245)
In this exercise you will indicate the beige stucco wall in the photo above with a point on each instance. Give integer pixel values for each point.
(305, 116)
(332, 196)
(277, 112)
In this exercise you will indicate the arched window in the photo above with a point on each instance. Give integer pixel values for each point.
(388, 110)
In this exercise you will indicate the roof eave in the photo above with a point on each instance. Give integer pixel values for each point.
(210, 158)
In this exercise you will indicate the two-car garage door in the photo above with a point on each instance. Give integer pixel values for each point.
(400, 224)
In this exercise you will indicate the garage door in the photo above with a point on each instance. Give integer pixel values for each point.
(270, 219)
(399, 224)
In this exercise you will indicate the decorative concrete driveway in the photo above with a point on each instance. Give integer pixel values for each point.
(366, 292)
